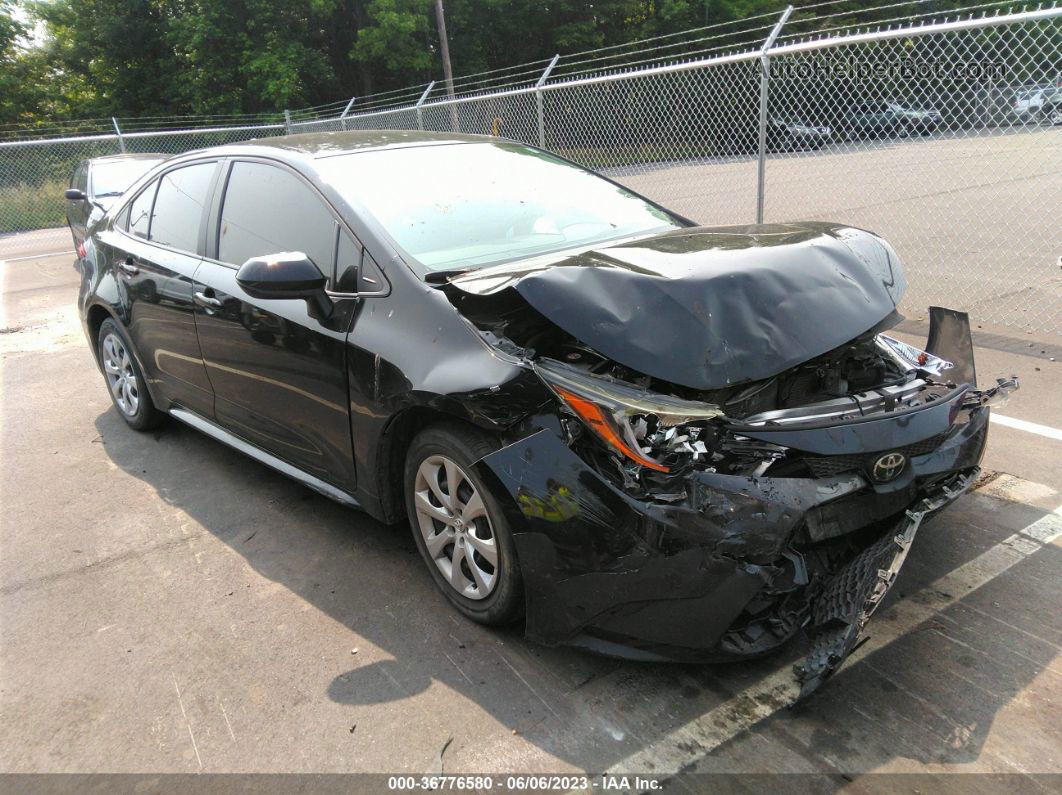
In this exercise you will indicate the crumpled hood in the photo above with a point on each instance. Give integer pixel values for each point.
(709, 307)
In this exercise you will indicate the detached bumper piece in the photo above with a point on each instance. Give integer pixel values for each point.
(841, 612)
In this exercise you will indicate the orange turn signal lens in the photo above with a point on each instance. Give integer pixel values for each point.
(591, 414)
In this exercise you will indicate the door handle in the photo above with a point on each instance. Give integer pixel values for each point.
(128, 267)
(207, 300)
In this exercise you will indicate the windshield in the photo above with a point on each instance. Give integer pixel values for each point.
(461, 206)
(112, 179)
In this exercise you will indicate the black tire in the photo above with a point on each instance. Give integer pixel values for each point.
(143, 416)
(464, 445)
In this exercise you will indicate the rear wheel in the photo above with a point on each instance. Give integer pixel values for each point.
(459, 526)
(125, 381)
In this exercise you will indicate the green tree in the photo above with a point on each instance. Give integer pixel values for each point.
(399, 36)
(252, 55)
(11, 33)
(169, 57)
(117, 48)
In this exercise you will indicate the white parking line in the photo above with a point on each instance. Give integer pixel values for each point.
(1030, 427)
(704, 734)
(37, 256)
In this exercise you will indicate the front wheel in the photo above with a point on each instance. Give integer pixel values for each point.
(124, 379)
(459, 526)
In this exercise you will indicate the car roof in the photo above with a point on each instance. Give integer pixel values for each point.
(120, 158)
(328, 144)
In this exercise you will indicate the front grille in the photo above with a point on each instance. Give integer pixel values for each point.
(823, 466)
(925, 446)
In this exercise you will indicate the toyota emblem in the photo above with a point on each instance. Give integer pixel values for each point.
(888, 467)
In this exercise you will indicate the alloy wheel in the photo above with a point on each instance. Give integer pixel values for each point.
(121, 378)
(457, 531)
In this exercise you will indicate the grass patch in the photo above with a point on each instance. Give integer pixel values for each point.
(24, 207)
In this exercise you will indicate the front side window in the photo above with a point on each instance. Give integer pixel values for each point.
(460, 206)
(268, 210)
(179, 204)
(140, 211)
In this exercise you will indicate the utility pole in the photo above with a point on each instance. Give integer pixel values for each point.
(444, 50)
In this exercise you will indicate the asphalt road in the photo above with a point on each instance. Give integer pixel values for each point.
(974, 216)
(167, 605)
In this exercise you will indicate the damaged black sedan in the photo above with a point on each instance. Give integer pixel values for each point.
(643, 437)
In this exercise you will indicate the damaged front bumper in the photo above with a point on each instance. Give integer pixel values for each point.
(728, 571)
(843, 608)
(798, 517)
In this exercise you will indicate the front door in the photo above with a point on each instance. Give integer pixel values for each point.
(279, 374)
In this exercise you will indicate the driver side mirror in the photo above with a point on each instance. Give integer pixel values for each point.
(286, 275)
(75, 195)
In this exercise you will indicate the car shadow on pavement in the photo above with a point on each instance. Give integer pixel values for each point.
(931, 696)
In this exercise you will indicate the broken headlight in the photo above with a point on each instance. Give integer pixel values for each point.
(909, 357)
(625, 417)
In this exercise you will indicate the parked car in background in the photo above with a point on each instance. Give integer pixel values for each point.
(791, 134)
(1041, 103)
(98, 183)
(643, 437)
(881, 118)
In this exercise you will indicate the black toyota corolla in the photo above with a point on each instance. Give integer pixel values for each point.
(643, 437)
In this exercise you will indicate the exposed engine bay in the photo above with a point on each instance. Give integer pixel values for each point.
(666, 428)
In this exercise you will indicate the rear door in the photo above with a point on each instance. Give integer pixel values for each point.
(279, 375)
(162, 231)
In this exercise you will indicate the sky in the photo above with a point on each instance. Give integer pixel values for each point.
(36, 34)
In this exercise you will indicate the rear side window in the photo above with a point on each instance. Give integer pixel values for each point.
(268, 210)
(178, 212)
(140, 211)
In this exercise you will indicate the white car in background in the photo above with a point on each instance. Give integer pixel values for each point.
(1038, 102)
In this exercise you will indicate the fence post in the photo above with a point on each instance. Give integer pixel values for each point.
(765, 79)
(420, 113)
(541, 104)
(287, 121)
(118, 131)
(346, 110)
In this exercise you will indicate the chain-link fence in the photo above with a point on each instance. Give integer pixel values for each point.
(35, 172)
(944, 137)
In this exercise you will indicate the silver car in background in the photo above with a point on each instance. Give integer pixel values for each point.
(98, 183)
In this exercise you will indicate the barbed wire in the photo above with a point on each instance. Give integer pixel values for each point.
(906, 19)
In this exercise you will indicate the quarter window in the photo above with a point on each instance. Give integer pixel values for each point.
(348, 254)
(178, 212)
(268, 210)
(140, 211)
